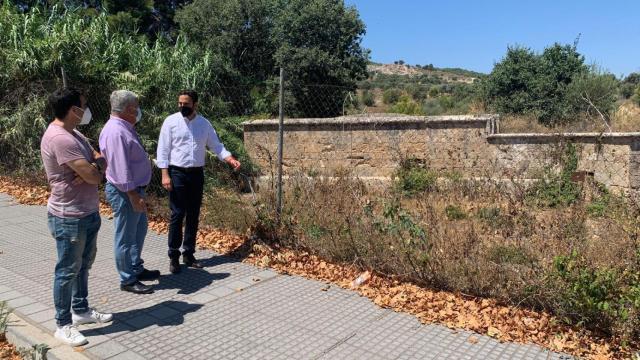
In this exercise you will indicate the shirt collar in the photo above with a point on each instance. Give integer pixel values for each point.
(119, 119)
(187, 119)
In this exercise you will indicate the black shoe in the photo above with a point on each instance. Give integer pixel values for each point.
(174, 266)
(148, 275)
(137, 288)
(190, 261)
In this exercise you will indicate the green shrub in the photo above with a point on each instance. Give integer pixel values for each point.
(593, 89)
(454, 212)
(411, 178)
(391, 96)
(599, 203)
(4, 316)
(557, 189)
(509, 254)
(597, 297)
(524, 82)
(406, 106)
(368, 98)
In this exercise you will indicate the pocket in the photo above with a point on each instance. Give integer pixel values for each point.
(65, 229)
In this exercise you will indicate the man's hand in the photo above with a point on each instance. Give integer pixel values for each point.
(235, 164)
(77, 180)
(166, 180)
(137, 201)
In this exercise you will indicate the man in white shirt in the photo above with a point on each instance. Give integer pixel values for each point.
(183, 140)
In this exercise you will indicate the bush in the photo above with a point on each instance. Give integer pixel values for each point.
(391, 96)
(592, 92)
(425, 235)
(557, 189)
(406, 106)
(368, 98)
(454, 212)
(524, 82)
(411, 178)
(601, 298)
(509, 254)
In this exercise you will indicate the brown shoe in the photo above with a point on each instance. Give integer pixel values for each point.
(190, 261)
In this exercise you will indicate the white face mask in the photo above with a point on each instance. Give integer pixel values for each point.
(139, 116)
(86, 117)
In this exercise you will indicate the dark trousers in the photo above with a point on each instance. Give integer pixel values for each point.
(184, 200)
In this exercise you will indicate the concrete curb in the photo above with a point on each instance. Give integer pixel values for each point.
(23, 334)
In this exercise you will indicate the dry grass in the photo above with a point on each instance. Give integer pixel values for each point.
(626, 118)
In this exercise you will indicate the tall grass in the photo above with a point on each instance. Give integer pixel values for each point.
(36, 45)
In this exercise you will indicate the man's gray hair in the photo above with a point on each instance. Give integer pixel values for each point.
(120, 99)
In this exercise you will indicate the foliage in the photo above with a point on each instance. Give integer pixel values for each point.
(509, 254)
(37, 44)
(592, 92)
(4, 316)
(368, 99)
(35, 352)
(145, 17)
(524, 82)
(597, 297)
(411, 178)
(317, 42)
(557, 188)
(454, 212)
(391, 96)
(407, 106)
(600, 203)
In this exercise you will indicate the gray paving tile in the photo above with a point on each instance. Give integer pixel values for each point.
(107, 349)
(31, 308)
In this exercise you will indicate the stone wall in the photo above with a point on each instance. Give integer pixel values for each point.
(471, 146)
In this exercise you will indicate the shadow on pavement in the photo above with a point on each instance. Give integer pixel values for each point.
(189, 280)
(138, 319)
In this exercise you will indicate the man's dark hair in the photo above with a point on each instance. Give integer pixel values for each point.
(190, 93)
(63, 99)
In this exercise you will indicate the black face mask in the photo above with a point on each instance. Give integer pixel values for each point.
(186, 111)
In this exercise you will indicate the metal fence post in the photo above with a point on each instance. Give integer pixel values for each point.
(64, 77)
(280, 143)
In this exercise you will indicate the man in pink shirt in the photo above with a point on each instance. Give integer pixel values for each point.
(74, 171)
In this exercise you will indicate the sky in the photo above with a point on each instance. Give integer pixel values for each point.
(475, 34)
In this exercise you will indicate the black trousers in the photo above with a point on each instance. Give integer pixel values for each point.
(184, 200)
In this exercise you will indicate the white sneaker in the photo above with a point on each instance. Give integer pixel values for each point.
(70, 335)
(90, 317)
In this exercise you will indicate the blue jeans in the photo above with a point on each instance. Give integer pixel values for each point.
(130, 231)
(76, 246)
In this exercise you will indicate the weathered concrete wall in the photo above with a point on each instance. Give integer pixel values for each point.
(472, 146)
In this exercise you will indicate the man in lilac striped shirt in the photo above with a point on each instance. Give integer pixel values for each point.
(128, 173)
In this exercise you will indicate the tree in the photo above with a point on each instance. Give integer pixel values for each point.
(593, 93)
(524, 82)
(316, 41)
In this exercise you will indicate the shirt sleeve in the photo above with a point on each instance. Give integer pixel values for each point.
(66, 150)
(116, 151)
(214, 144)
(164, 146)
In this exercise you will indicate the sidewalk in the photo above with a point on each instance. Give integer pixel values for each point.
(228, 310)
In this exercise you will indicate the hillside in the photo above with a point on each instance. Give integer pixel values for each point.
(449, 75)
(418, 90)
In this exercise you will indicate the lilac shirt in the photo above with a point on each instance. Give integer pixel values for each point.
(128, 163)
(59, 147)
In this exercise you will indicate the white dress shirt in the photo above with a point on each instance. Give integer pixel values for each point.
(183, 142)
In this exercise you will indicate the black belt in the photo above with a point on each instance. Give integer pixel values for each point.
(186, 169)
